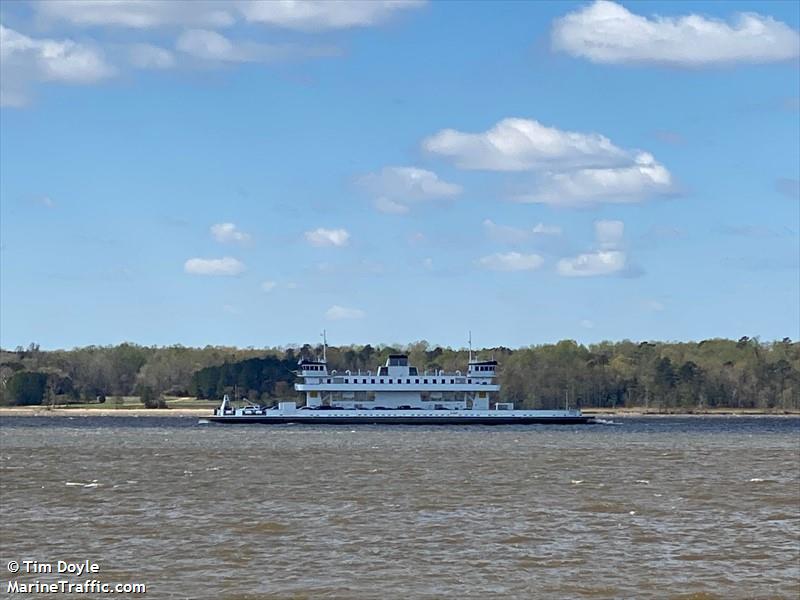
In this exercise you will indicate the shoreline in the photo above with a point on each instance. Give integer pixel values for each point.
(31, 411)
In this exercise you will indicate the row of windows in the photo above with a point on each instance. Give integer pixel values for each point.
(482, 368)
(312, 368)
(442, 381)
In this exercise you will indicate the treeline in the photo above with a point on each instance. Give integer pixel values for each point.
(744, 373)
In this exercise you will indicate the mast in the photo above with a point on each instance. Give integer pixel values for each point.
(470, 346)
(324, 347)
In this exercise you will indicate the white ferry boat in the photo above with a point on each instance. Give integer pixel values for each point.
(398, 394)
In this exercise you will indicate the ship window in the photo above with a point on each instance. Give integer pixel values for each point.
(452, 381)
(381, 380)
(372, 381)
(363, 381)
(416, 381)
(390, 381)
(469, 380)
(424, 381)
(329, 380)
(408, 381)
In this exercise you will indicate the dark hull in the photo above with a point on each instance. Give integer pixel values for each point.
(422, 420)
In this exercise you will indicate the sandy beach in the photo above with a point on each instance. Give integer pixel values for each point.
(30, 411)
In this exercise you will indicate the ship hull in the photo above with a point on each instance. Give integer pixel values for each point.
(402, 420)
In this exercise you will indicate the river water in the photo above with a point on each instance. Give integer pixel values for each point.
(699, 508)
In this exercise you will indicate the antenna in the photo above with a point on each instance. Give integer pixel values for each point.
(470, 346)
(324, 347)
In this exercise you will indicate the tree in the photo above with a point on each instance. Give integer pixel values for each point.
(26, 388)
(150, 399)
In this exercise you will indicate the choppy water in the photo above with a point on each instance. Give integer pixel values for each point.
(652, 508)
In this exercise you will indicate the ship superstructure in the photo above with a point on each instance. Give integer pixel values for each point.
(395, 393)
(398, 385)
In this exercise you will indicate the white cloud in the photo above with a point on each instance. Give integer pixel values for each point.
(587, 324)
(336, 313)
(302, 15)
(147, 56)
(427, 264)
(214, 266)
(655, 305)
(228, 232)
(517, 235)
(609, 233)
(602, 262)
(396, 187)
(609, 259)
(542, 229)
(390, 207)
(606, 32)
(505, 233)
(584, 187)
(138, 14)
(316, 15)
(327, 237)
(205, 44)
(511, 261)
(522, 144)
(268, 286)
(25, 61)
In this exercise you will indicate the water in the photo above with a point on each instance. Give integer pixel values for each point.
(652, 508)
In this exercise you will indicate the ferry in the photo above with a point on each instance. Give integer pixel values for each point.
(397, 394)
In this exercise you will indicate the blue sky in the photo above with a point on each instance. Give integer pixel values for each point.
(251, 173)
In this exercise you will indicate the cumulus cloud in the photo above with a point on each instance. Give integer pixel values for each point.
(327, 237)
(204, 44)
(147, 56)
(608, 259)
(301, 15)
(337, 313)
(390, 207)
(25, 61)
(517, 235)
(511, 261)
(542, 229)
(571, 168)
(316, 15)
(506, 233)
(228, 232)
(621, 185)
(609, 233)
(214, 266)
(137, 14)
(521, 144)
(606, 32)
(395, 188)
(602, 262)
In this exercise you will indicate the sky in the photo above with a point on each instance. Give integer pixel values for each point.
(251, 173)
